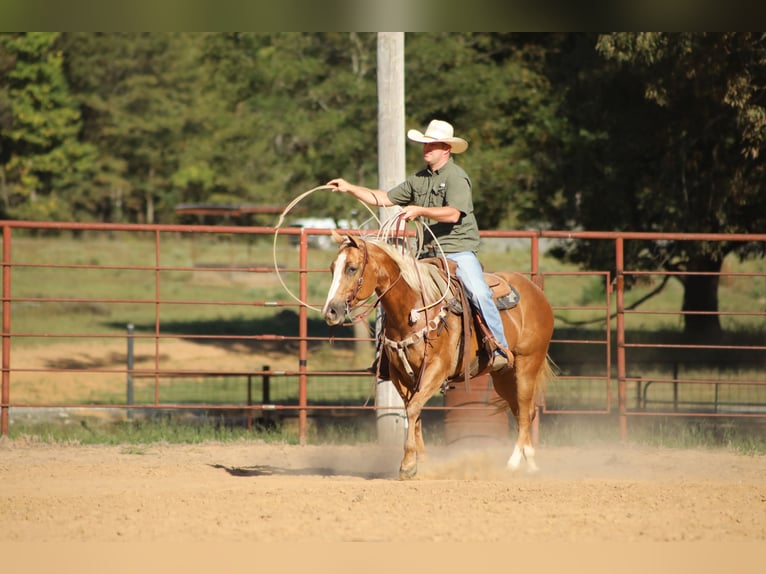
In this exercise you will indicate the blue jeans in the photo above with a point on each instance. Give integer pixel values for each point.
(469, 271)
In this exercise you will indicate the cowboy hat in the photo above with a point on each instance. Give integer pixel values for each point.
(439, 131)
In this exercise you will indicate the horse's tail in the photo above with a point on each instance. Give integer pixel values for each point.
(548, 372)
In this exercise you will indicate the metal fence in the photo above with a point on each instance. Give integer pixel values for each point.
(134, 290)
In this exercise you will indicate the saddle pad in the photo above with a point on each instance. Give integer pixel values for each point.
(506, 296)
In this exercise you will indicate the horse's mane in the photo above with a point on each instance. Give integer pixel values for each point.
(421, 277)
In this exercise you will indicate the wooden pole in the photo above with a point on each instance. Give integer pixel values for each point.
(391, 418)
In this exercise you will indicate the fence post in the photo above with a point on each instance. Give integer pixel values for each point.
(303, 346)
(621, 369)
(6, 378)
(131, 360)
(537, 278)
(266, 386)
(249, 417)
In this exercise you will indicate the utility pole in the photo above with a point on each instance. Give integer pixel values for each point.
(391, 417)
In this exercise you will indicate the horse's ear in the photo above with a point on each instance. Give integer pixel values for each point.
(341, 239)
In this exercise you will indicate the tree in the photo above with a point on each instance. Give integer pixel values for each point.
(137, 92)
(43, 165)
(493, 88)
(301, 109)
(670, 128)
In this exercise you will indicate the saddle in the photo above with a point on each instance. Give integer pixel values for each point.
(504, 295)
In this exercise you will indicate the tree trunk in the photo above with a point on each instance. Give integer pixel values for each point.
(701, 295)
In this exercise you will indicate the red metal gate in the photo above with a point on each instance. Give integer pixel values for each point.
(586, 356)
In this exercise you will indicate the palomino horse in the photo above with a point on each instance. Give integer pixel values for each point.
(424, 348)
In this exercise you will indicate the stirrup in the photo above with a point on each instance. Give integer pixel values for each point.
(499, 362)
(380, 368)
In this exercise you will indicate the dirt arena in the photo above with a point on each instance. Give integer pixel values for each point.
(256, 492)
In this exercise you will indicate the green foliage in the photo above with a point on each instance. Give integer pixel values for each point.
(42, 159)
(300, 109)
(138, 95)
(621, 131)
(665, 132)
(667, 126)
(492, 87)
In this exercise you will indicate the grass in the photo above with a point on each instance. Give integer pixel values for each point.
(134, 435)
(745, 438)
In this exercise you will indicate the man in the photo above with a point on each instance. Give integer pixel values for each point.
(441, 193)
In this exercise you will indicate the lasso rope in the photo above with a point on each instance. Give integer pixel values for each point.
(281, 220)
(390, 230)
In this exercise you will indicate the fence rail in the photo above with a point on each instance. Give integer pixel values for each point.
(600, 355)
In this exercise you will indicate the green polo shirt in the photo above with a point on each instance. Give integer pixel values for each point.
(450, 186)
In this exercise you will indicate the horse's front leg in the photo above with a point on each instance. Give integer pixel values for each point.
(420, 445)
(414, 447)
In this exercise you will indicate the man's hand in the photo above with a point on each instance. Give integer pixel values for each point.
(339, 184)
(445, 214)
(368, 196)
(411, 212)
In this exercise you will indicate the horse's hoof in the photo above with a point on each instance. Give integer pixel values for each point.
(407, 473)
(531, 468)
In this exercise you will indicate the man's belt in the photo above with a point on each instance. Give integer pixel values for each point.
(428, 251)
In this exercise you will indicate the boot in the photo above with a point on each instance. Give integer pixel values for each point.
(380, 368)
(499, 361)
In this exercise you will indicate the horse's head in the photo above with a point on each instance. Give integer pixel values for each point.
(352, 281)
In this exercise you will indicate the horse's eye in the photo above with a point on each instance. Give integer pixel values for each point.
(351, 270)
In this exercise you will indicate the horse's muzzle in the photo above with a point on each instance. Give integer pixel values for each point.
(334, 312)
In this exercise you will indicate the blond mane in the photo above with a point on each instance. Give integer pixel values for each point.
(421, 277)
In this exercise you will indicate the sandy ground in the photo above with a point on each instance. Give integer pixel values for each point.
(279, 508)
(251, 491)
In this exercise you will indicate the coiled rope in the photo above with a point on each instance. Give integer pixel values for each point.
(281, 220)
(390, 230)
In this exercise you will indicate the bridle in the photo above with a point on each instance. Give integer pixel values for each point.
(362, 269)
(352, 296)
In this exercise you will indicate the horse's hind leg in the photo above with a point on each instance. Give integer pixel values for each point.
(519, 389)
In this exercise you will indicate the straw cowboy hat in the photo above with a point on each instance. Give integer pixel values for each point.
(439, 131)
